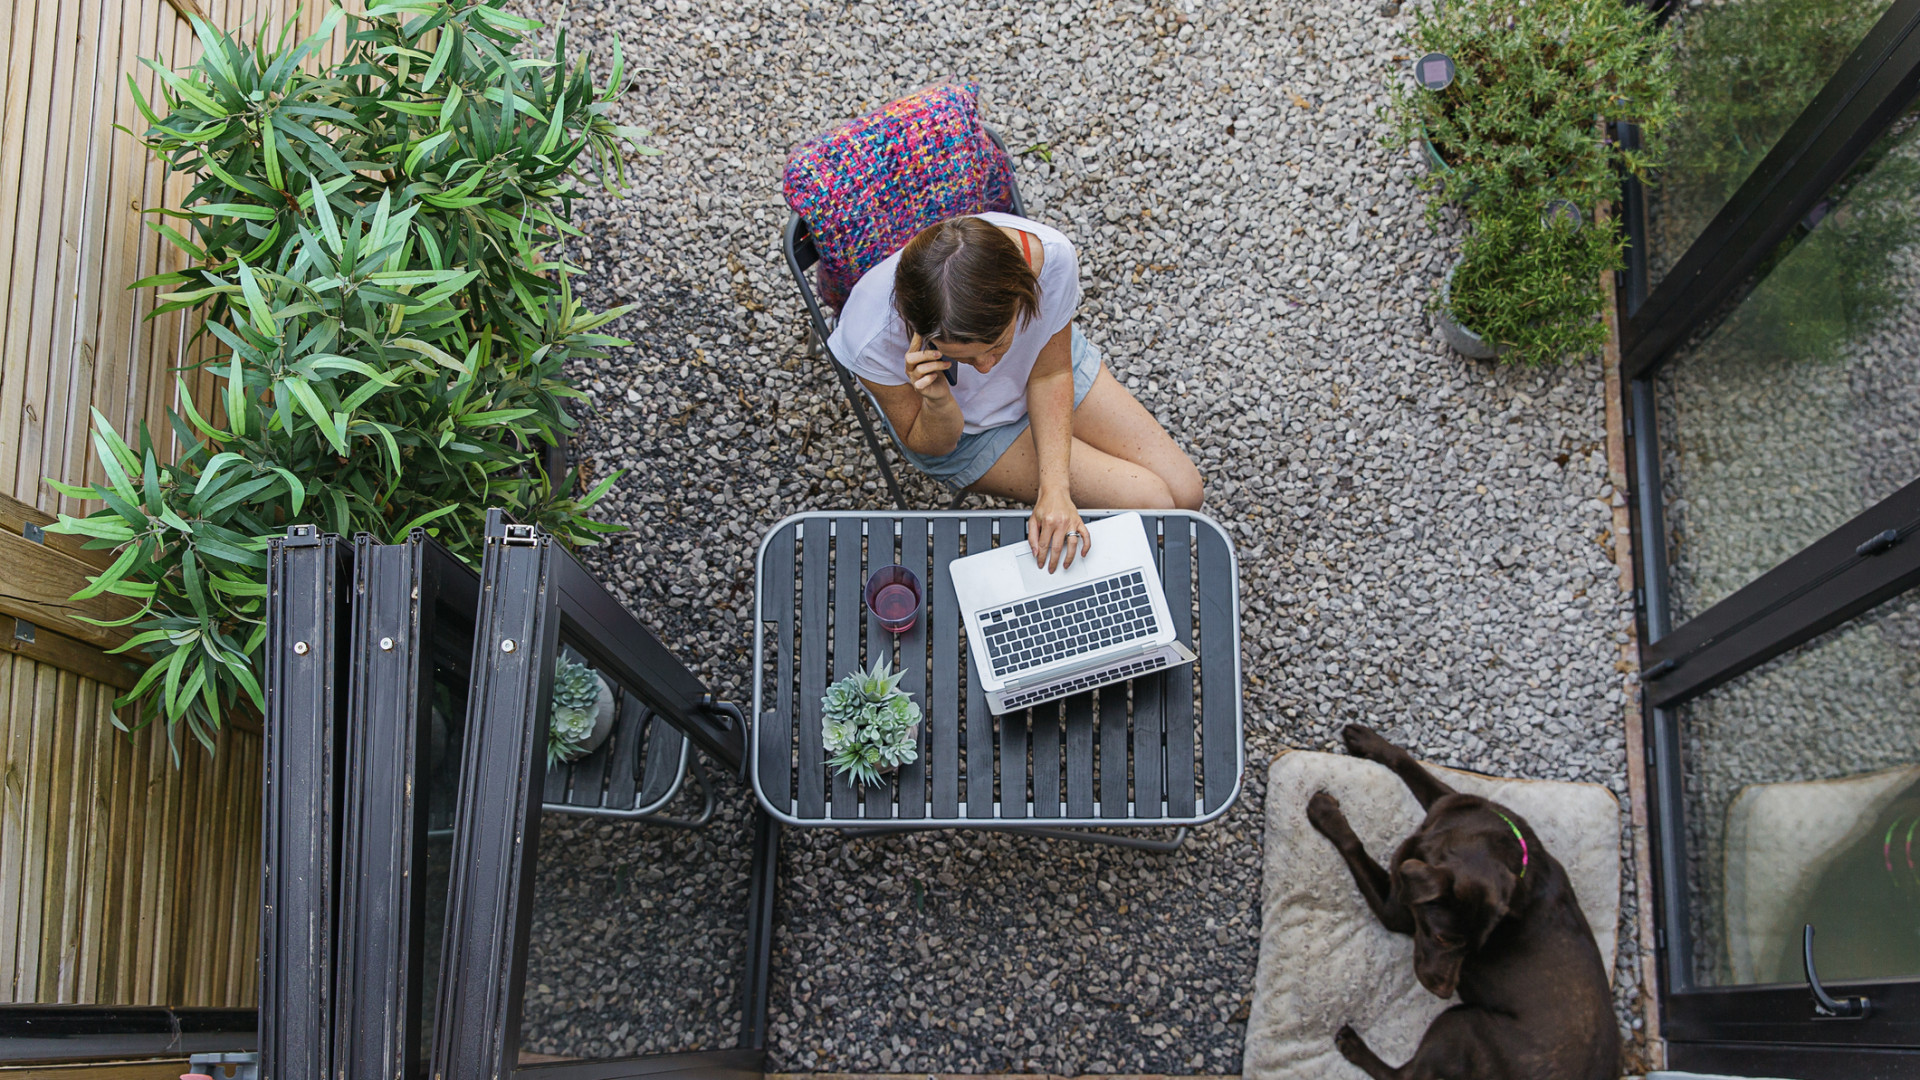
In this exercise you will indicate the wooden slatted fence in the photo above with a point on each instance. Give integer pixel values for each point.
(124, 879)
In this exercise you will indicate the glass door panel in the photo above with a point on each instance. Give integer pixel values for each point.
(1801, 408)
(639, 938)
(1746, 70)
(1802, 781)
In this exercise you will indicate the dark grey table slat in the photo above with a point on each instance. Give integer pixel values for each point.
(1220, 676)
(977, 723)
(849, 576)
(912, 779)
(811, 656)
(880, 646)
(1149, 731)
(1177, 714)
(776, 565)
(1014, 726)
(1151, 751)
(943, 720)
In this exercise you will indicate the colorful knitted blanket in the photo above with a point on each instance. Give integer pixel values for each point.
(867, 186)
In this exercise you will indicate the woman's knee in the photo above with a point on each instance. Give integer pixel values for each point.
(1184, 486)
(1145, 490)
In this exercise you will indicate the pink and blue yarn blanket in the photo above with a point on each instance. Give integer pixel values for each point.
(867, 186)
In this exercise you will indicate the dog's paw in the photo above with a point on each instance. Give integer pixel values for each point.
(1350, 1045)
(1364, 742)
(1326, 817)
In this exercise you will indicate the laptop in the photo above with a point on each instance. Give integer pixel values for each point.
(1037, 637)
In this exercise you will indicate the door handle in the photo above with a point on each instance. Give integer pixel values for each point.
(1825, 1005)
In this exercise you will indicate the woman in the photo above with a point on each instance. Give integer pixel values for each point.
(965, 338)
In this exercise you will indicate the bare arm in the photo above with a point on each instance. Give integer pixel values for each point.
(1055, 524)
(922, 409)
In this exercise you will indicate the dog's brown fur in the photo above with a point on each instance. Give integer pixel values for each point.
(1534, 1002)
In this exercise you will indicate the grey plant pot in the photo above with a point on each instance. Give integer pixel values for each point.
(1457, 337)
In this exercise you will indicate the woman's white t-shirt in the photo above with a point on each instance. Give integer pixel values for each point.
(871, 340)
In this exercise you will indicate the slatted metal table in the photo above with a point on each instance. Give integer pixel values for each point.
(1164, 750)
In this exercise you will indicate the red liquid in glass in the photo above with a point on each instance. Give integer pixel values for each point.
(894, 602)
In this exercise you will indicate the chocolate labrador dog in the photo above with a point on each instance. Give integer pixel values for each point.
(1493, 916)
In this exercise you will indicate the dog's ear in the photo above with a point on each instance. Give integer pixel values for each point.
(1423, 883)
(1487, 887)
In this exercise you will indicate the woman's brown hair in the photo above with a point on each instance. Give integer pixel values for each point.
(963, 280)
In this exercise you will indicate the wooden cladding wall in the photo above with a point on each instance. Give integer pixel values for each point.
(127, 879)
(123, 878)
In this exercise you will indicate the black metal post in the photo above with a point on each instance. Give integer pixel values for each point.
(496, 831)
(306, 624)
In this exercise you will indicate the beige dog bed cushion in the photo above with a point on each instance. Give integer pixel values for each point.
(1326, 961)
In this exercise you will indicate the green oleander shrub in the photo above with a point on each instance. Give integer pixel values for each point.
(374, 246)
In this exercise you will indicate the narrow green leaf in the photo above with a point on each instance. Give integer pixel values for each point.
(295, 486)
(322, 418)
(270, 146)
(440, 57)
(431, 515)
(236, 397)
(108, 578)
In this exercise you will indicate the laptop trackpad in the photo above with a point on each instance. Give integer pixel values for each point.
(1035, 580)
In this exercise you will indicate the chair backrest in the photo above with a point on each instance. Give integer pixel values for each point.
(862, 190)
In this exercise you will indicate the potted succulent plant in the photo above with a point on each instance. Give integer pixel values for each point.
(869, 726)
(1515, 120)
(582, 711)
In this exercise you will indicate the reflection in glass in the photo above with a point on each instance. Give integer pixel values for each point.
(639, 936)
(1800, 409)
(1747, 68)
(1803, 806)
(446, 725)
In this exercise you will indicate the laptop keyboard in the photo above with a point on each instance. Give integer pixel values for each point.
(1071, 623)
(1061, 689)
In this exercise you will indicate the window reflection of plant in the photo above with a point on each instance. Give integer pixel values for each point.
(1831, 281)
(1747, 70)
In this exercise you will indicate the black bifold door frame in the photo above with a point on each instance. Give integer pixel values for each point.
(412, 607)
(1759, 1030)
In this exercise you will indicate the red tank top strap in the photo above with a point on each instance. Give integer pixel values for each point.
(1026, 246)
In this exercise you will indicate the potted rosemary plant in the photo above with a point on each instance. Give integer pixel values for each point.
(1516, 130)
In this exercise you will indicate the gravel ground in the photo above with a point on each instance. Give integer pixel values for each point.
(1422, 538)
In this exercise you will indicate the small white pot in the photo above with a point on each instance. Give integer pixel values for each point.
(1458, 337)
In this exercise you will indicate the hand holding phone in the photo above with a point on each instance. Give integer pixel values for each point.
(923, 360)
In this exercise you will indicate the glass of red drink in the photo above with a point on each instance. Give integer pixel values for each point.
(893, 595)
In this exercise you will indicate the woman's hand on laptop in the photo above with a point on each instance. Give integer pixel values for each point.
(1055, 530)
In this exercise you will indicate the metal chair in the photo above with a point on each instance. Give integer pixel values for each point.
(634, 775)
(801, 257)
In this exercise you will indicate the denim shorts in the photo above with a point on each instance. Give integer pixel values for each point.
(969, 461)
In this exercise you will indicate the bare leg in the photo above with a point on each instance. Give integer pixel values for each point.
(1096, 479)
(1375, 885)
(1112, 420)
(1363, 741)
(1122, 459)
